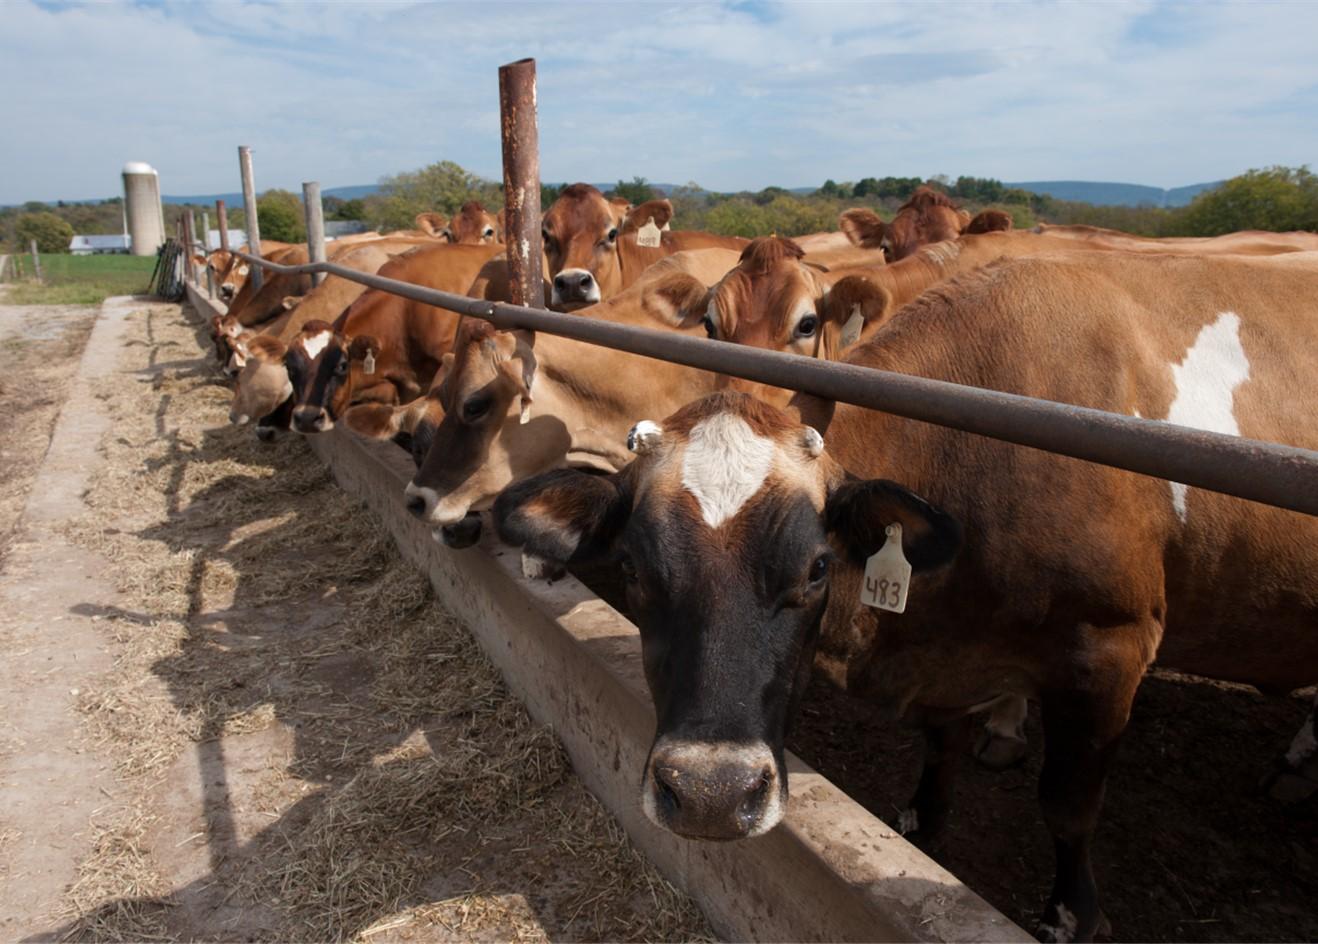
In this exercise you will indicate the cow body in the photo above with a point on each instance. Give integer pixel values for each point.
(1034, 575)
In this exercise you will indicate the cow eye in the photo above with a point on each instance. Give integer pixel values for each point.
(476, 407)
(819, 569)
(710, 329)
(341, 367)
(489, 231)
(807, 326)
(613, 234)
(628, 568)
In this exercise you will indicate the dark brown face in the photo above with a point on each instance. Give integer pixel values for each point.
(725, 528)
(581, 247)
(319, 368)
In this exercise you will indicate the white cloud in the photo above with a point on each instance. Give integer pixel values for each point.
(729, 95)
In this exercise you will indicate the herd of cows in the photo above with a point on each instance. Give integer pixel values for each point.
(742, 517)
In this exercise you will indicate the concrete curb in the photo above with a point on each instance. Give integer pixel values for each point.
(830, 872)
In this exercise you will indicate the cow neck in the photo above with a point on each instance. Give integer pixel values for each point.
(634, 260)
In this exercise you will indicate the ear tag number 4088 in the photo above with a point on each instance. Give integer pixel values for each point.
(887, 575)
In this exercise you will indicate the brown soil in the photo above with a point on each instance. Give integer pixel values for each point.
(307, 746)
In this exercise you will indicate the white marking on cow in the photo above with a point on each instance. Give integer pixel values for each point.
(427, 495)
(725, 463)
(1305, 744)
(1206, 380)
(813, 442)
(908, 821)
(1064, 931)
(315, 343)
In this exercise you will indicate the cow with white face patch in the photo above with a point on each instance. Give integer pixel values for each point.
(595, 247)
(1032, 575)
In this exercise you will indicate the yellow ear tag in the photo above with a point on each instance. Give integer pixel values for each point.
(887, 575)
(368, 363)
(851, 330)
(648, 235)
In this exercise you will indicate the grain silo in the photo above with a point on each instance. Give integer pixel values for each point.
(145, 216)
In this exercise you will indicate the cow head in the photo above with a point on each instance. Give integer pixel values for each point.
(486, 437)
(774, 300)
(322, 366)
(225, 332)
(927, 217)
(581, 233)
(728, 528)
(262, 384)
(473, 225)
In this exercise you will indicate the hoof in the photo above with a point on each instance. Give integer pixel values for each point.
(1000, 753)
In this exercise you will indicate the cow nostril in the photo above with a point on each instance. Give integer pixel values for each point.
(668, 797)
(416, 506)
(560, 283)
(586, 280)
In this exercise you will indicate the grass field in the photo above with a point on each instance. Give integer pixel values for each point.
(80, 280)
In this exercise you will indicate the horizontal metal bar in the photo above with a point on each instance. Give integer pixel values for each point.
(1274, 474)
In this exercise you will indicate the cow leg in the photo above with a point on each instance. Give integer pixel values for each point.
(1082, 724)
(1002, 743)
(1295, 778)
(944, 746)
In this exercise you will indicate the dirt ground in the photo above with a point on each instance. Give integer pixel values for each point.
(39, 347)
(297, 742)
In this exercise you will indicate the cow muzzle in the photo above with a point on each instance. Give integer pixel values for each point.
(575, 287)
(312, 419)
(715, 791)
(461, 535)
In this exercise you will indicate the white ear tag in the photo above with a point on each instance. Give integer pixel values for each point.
(648, 235)
(887, 575)
(368, 363)
(525, 416)
(851, 330)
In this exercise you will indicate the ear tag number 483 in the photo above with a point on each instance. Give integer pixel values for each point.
(887, 575)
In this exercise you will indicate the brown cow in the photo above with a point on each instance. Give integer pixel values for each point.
(406, 340)
(1246, 242)
(929, 216)
(746, 543)
(511, 405)
(262, 391)
(595, 248)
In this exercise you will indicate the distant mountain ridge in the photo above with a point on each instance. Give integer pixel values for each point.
(1115, 194)
(1099, 193)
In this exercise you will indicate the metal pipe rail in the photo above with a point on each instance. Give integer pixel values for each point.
(1274, 474)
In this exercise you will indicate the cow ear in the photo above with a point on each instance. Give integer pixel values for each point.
(677, 300)
(563, 516)
(661, 211)
(863, 227)
(373, 420)
(619, 207)
(859, 511)
(362, 345)
(291, 301)
(855, 304)
(432, 224)
(988, 221)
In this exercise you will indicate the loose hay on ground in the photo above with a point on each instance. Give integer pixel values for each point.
(414, 796)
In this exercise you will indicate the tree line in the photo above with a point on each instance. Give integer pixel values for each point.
(1275, 198)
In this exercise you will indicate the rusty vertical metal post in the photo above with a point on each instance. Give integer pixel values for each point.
(36, 259)
(210, 282)
(192, 246)
(222, 221)
(315, 226)
(521, 182)
(249, 211)
(206, 232)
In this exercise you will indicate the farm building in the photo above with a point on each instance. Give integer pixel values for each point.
(99, 245)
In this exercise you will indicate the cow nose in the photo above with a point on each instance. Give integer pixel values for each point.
(713, 791)
(573, 284)
(416, 506)
(309, 419)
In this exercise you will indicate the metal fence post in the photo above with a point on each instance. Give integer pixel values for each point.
(249, 210)
(206, 232)
(315, 226)
(36, 259)
(521, 182)
(222, 221)
(192, 241)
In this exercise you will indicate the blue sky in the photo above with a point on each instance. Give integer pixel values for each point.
(730, 95)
